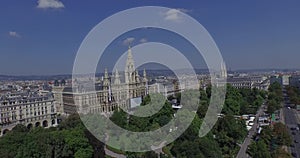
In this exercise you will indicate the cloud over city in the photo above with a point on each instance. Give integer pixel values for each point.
(54, 4)
(174, 14)
(14, 34)
(143, 40)
(128, 41)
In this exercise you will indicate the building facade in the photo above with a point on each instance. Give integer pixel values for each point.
(249, 82)
(111, 92)
(31, 109)
(276, 78)
(294, 81)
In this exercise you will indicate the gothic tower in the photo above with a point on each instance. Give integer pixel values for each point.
(106, 86)
(129, 68)
(223, 70)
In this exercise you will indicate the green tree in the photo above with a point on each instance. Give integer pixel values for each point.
(281, 134)
(259, 150)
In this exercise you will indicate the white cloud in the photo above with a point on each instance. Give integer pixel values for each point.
(143, 40)
(174, 14)
(55, 4)
(14, 34)
(128, 41)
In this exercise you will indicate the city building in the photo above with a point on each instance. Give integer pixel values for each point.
(276, 78)
(294, 81)
(29, 108)
(110, 93)
(259, 82)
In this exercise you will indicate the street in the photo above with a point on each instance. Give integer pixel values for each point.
(242, 153)
(291, 121)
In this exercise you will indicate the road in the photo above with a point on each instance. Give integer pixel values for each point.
(292, 121)
(242, 153)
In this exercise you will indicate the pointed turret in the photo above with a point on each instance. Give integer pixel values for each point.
(129, 56)
(144, 76)
(105, 73)
(137, 76)
(106, 78)
(117, 77)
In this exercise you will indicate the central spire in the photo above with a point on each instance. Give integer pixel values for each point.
(129, 68)
(129, 56)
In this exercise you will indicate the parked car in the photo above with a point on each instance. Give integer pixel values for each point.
(292, 145)
(293, 128)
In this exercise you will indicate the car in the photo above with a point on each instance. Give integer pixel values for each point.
(292, 145)
(296, 141)
(294, 154)
(293, 133)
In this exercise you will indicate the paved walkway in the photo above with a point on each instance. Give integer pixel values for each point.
(243, 150)
(297, 114)
(113, 154)
(158, 149)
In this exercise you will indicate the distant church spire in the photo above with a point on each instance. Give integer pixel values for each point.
(223, 70)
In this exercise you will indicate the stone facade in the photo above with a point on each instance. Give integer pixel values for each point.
(108, 94)
(31, 109)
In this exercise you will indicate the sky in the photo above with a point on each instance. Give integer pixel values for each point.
(42, 37)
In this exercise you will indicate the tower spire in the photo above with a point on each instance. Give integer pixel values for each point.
(144, 75)
(137, 76)
(106, 78)
(223, 70)
(129, 56)
(129, 68)
(117, 77)
(105, 73)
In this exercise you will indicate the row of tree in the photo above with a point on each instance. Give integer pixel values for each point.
(221, 141)
(273, 142)
(243, 101)
(275, 97)
(69, 139)
(294, 95)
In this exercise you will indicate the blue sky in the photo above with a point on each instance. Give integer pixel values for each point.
(42, 36)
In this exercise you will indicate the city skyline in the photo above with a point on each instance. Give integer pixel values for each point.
(42, 37)
(155, 79)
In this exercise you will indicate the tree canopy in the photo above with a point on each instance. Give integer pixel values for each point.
(70, 139)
